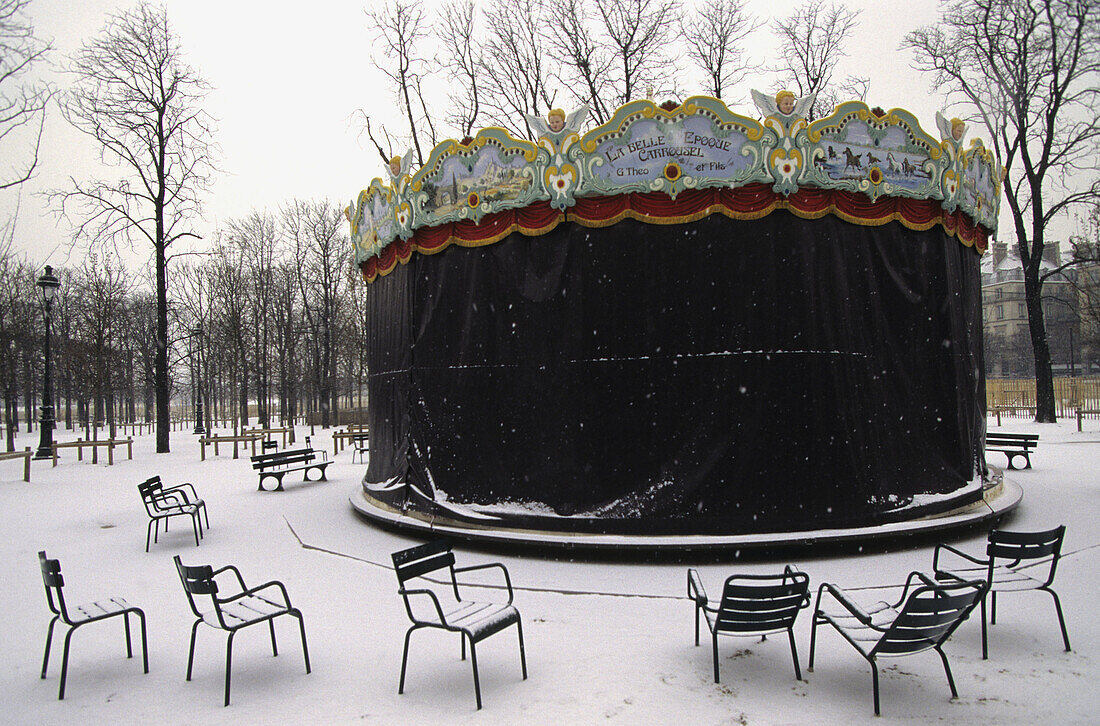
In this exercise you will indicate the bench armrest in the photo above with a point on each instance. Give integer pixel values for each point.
(842, 597)
(696, 591)
(489, 565)
(971, 559)
(235, 571)
(186, 489)
(406, 594)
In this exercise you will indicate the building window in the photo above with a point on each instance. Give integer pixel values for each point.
(1023, 310)
(1000, 312)
(1000, 293)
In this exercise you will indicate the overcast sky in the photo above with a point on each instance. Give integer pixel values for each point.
(288, 76)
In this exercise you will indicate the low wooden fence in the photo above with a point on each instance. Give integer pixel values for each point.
(1016, 397)
(25, 455)
(95, 445)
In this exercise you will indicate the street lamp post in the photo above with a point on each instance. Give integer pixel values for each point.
(48, 283)
(198, 382)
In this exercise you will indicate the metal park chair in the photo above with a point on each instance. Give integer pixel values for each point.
(247, 606)
(431, 606)
(162, 505)
(185, 492)
(1007, 568)
(752, 605)
(920, 620)
(82, 615)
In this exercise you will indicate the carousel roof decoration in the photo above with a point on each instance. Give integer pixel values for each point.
(699, 144)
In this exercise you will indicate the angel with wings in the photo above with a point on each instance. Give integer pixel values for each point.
(954, 129)
(784, 104)
(557, 122)
(399, 165)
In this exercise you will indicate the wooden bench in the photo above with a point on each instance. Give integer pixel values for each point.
(277, 464)
(94, 445)
(25, 455)
(1013, 445)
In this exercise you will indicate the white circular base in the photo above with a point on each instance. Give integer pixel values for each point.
(997, 500)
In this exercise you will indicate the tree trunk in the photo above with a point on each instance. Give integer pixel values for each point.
(1045, 408)
(160, 364)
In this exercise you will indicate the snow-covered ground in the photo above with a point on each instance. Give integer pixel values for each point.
(607, 641)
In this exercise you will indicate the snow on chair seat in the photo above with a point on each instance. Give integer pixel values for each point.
(1008, 554)
(234, 612)
(474, 620)
(920, 620)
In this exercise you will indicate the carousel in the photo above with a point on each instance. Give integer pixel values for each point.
(681, 328)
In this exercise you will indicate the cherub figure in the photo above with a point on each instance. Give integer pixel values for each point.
(954, 129)
(557, 124)
(784, 104)
(399, 166)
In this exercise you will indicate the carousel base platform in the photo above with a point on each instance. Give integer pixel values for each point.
(1000, 496)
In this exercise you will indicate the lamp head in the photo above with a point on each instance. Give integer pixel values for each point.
(49, 284)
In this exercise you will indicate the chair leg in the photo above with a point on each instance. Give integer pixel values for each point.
(228, 664)
(191, 652)
(697, 625)
(195, 526)
(144, 641)
(477, 683)
(813, 642)
(993, 608)
(1061, 620)
(947, 669)
(714, 654)
(985, 635)
(49, 640)
(65, 664)
(274, 648)
(148, 534)
(794, 654)
(874, 684)
(462, 640)
(302, 627)
(404, 660)
(522, 656)
(126, 627)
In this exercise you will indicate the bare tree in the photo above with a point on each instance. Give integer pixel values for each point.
(585, 62)
(399, 29)
(461, 56)
(320, 247)
(715, 33)
(811, 43)
(1027, 70)
(640, 34)
(22, 104)
(137, 98)
(514, 64)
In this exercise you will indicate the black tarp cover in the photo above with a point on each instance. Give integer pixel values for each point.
(720, 376)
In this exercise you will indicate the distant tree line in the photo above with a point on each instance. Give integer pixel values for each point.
(266, 327)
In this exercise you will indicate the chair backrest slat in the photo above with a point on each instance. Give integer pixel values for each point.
(1025, 545)
(928, 617)
(423, 566)
(761, 602)
(54, 583)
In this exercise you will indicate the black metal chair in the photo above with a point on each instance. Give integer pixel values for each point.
(185, 491)
(920, 620)
(752, 605)
(475, 621)
(248, 606)
(1008, 555)
(82, 615)
(162, 505)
